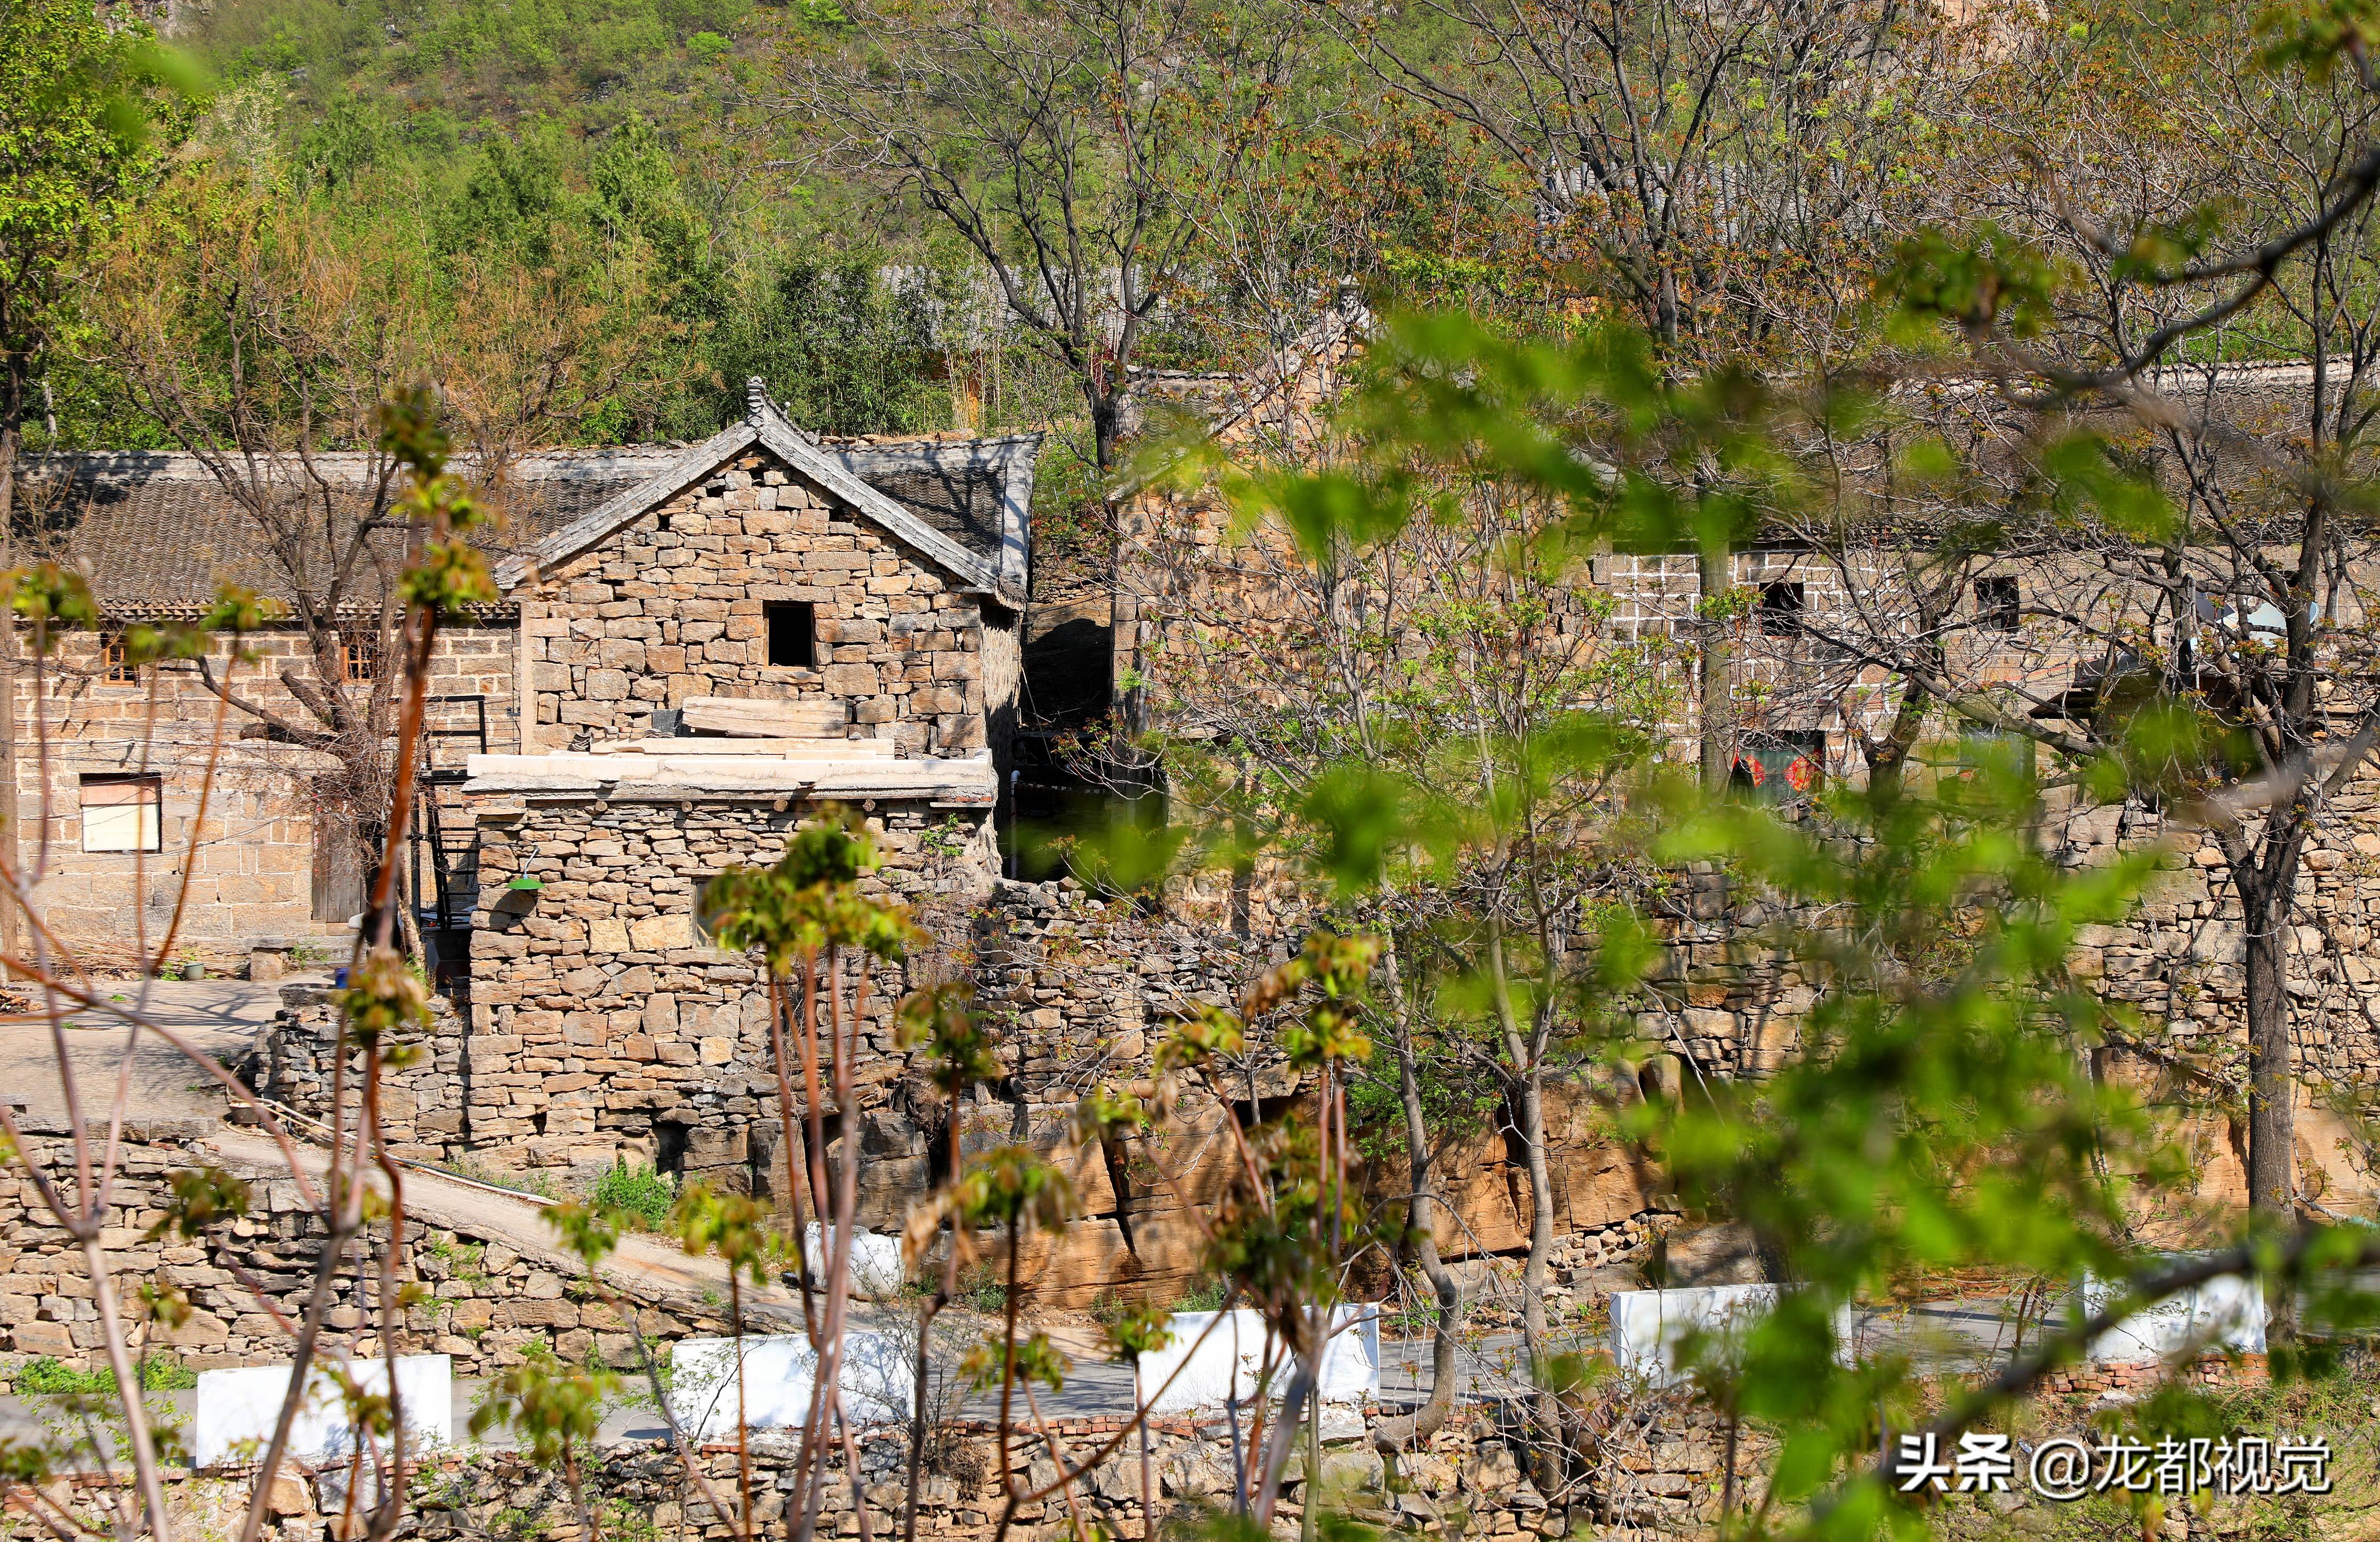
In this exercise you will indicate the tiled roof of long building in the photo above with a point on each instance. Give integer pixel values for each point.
(157, 533)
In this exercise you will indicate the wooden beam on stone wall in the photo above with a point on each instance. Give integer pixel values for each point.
(809, 719)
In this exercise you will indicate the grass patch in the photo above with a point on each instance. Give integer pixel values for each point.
(462, 1258)
(983, 1290)
(43, 1375)
(1207, 1296)
(639, 1191)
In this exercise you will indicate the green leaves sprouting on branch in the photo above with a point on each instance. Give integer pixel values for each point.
(810, 900)
(447, 575)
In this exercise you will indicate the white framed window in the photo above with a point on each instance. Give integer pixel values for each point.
(123, 813)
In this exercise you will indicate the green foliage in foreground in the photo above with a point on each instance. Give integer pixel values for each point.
(1943, 1115)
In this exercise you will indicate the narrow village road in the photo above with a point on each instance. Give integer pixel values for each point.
(221, 1017)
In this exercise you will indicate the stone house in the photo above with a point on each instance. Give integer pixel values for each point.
(709, 657)
(870, 591)
(1201, 604)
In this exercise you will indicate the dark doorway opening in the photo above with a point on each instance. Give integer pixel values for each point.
(668, 1147)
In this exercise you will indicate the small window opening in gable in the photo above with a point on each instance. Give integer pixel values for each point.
(358, 660)
(1997, 603)
(114, 664)
(792, 633)
(121, 813)
(1780, 607)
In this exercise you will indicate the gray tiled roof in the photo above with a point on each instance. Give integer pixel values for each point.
(157, 533)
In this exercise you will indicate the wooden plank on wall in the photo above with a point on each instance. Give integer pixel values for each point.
(767, 720)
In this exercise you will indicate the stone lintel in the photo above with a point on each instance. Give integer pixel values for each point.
(968, 783)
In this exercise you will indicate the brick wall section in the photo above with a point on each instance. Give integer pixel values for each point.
(252, 870)
(673, 608)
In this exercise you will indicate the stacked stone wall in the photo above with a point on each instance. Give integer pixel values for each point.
(603, 1028)
(1729, 1004)
(604, 1025)
(487, 1297)
(423, 1105)
(1649, 1467)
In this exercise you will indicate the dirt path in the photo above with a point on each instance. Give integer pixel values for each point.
(642, 1268)
(222, 1017)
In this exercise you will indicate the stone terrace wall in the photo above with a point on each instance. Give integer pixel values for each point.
(672, 608)
(489, 1297)
(1655, 1474)
(1649, 1466)
(603, 1025)
(1731, 1006)
(602, 1028)
(423, 1106)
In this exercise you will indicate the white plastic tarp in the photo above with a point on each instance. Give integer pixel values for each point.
(233, 1412)
(1227, 1363)
(876, 1269)
(879, 1382)
(2225, 1313)
(1647, 1326)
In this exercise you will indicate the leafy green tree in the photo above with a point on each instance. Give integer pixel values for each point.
(1419, 618)
(1940, 1116)
(1064, 147)
(2203, 643)
(846, 346)
(513, 194)
(638, 187)
(84, 112)
(352, 136)
(558, 1410)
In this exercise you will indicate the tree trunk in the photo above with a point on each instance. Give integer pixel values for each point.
(11, 922)
(1715, 679)
(1107, 423)
(1532, 1111)
(2271, 1112)
(1413, 1430)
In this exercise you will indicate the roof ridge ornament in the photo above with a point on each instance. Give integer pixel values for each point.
(759, 407)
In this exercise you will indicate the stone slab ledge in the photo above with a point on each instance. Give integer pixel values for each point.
(649, 778)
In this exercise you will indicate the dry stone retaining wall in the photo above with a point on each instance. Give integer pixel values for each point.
(487, 1297)
(1645, 1468)
(602, 1028)
(1731, 1004)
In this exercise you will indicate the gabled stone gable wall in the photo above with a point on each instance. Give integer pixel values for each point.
(672, 608)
